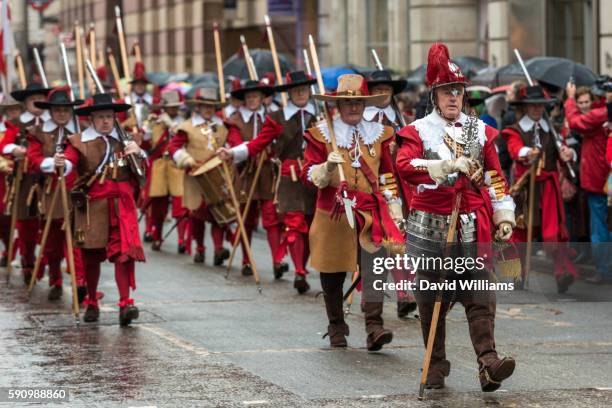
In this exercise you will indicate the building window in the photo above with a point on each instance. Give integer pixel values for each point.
(377, 30)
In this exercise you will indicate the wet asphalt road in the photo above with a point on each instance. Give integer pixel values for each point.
(206, 341)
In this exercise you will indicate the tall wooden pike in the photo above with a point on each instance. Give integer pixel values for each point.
(275, 61)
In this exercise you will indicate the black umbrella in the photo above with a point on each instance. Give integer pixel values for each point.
(236, 64)
(550, 70)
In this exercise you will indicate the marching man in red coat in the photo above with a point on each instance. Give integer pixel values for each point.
(10, 109)
(285, 130)
(444, 153)
(105, 219)
(530, 140)
(244, 125)
(42, 144)
(365, 156)
(14, 146)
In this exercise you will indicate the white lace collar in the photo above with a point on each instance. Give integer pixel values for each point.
(2, 126)
(247, 113)
(27, 117)
(527, 124)
(197, 120)
(369, 132)
(370, 113)
(50, 126)
(146, 97)
(291, 109)
(432, 128)
(229, 110)
(91, 134)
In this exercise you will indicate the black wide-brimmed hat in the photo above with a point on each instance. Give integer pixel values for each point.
(252, 86)
(102, 102)
(383, 77)
(532, 95)
(58, 97)
(294, 79)
(33, 88)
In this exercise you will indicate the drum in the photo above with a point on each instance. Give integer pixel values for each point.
(215, 191)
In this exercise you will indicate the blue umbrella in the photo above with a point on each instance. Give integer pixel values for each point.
(331, 74)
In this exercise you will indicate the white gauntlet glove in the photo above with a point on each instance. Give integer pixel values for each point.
(321, 173)
(440, 169)
(505, 222)
(395, 211)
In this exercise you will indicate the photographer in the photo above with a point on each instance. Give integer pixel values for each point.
(593, 169)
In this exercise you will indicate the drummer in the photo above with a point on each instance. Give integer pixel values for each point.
(190, 148)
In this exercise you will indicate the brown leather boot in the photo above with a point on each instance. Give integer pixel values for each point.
(332, 293)
(492, 369)
(378, 336)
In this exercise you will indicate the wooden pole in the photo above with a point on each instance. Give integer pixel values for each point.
(115, 71)
(275, 61)
(137, 51)
(260, 161)
(122, 47)
(43, 241)
(531, 202)
(450, 238)
(21, 71)
(16, 190)
(79, 60)
(93, 52)
(69, 246)
(220, 75)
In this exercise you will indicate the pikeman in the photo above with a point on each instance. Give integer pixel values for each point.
(10, 109)
(105, 219)
(436, 154)
(531, 143)
(14, 146)
(284, 130)
(190, 147)
(363, 155)
(140, 98)
(42, 145)
(244, 125)
(380, 82)
(165, 179)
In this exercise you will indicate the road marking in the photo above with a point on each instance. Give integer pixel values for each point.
(255, 402)
(174, 339)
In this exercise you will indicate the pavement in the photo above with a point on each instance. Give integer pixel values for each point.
(207, 341)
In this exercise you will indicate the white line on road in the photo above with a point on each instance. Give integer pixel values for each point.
(177, 341)
(255, 402)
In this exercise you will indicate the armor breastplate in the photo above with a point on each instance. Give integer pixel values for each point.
(426, 233)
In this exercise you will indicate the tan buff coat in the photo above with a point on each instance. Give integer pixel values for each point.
(333, 244)
(202, 149)
(166, 177)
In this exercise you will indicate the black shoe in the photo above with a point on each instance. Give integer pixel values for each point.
(156, 246)
(300, 284)
(127, 314)
(198, 257)
(247, 270)
(4, 262)
(564, 282)
(280, 269)
(220, 256)
(434, 382)
(81, 293)
(55, 293)
(182, 248)
(405, 308)
(92, 314)
(148, 237)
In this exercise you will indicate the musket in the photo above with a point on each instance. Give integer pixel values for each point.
(557, 137)
(135, 163)
(399, 115)
(348, 203)
(312, 87)
(277, 70)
